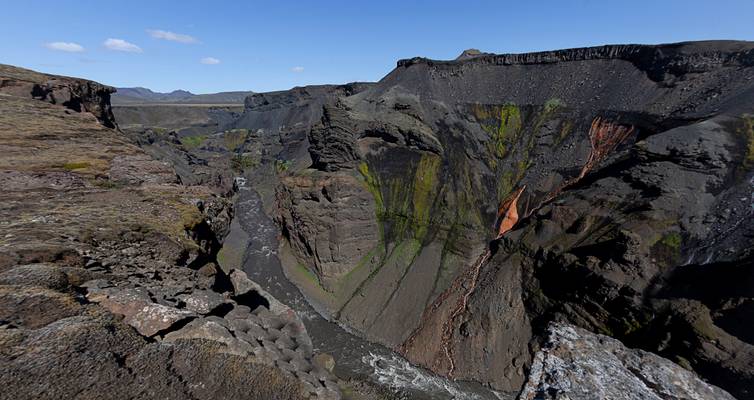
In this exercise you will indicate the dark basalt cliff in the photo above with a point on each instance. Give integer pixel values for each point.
(676, 58)
(455, 208)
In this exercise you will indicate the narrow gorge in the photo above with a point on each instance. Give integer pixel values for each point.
(569, 224)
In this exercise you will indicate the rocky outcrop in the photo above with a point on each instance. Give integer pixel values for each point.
(301, 95)
(75, 94)
(334, 146)
(577, 364)
(285, 119)
(108, 281)
(311, 211)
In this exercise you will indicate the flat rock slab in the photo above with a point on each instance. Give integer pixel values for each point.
(202, 301)
(154, 318)
(138, 310)
(577, 364)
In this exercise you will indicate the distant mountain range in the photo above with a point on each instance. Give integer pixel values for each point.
(140, 95)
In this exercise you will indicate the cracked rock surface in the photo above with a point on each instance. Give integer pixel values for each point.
(108, 285)
(576, 364)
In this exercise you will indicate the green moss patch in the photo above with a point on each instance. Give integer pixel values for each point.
(192, 142)
(424, 189)
(191, 217)
(235, 138)
(502, 123)
(72, 166)
(403, 204)
(553, 105)
(667, 250)
(373, 186)
(282, 166)
(672, 240)
(242, 162)
(307, 274)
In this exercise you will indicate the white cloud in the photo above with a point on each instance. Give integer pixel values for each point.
(171, 36)
(297, 69)
(209, 61)
(69, 47)
(122, 45)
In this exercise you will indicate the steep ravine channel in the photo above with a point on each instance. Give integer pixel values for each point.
(356, 358)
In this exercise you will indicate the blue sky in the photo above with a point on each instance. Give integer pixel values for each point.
(205, 46)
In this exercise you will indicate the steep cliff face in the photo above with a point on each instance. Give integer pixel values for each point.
(601, 186)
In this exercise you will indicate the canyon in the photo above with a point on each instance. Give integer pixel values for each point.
(569, 224)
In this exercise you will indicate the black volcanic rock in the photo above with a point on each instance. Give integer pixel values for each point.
(676, 58)
(473, 214)
(597, 186)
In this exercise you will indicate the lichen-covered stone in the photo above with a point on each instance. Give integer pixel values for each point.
(579, 365)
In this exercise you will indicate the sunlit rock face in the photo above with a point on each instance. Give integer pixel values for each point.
(600, 186)
(579, 365)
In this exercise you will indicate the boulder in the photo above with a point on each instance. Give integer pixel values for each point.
(576, 364)
(202, 301)
(324, 361)
(153, 318)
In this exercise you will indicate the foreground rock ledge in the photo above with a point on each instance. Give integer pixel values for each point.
(576, 364)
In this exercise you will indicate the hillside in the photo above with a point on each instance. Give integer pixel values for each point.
(140, 95)
(109, 282)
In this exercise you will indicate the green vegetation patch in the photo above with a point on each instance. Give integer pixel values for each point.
(191, 217)
(553, 105)
(404, 203)
(503, 124)
(424, 189)
(373, 186)
(667, 250)
(672, 240)
(235, 138)
(242, 162)
(282, 166)
(404, 253)
(72, 166)
(192, 142)
(307, 274)
(508, 130)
